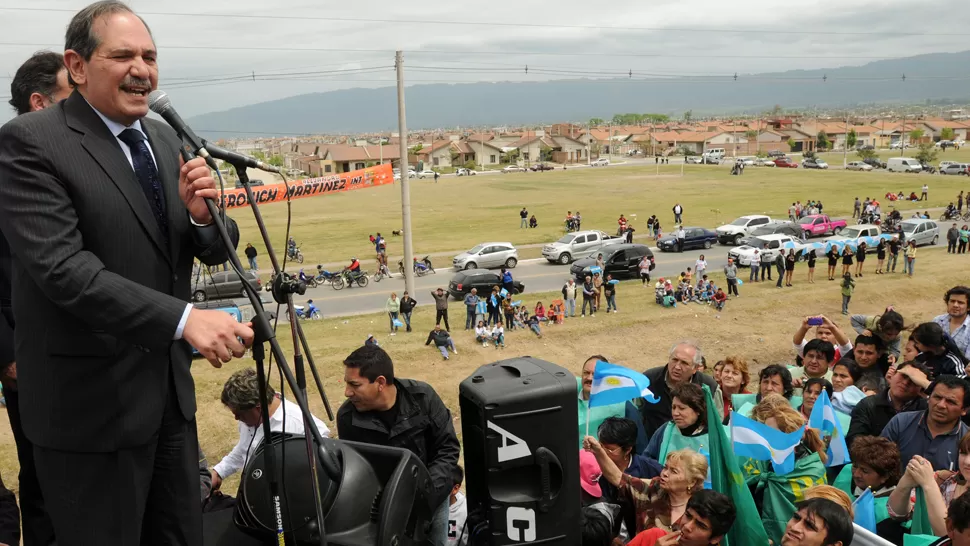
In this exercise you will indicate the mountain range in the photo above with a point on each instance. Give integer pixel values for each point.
(927, 77)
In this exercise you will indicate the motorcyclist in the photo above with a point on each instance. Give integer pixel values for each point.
(951, 211)
(310, 309)
(291, 247)
(303, 276)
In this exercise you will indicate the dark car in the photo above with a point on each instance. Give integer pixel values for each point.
(784, 228)
(622, 260)
(252, 183)
(776, 153)
(221, 285)
(542, 167)
(695, 237)
(481, 279)
(874, 163)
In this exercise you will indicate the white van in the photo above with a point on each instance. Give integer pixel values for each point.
(717, 153)
(903, 165)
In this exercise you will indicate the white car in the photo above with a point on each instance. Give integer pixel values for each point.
(601, 162)
(426, 173)
(852, 233)
(749, 160)
(945, 164)
(486, 256)
(764, 162)
(858, 166)
(513, 169)
(732, 233)
(466, 172)
(744, 255)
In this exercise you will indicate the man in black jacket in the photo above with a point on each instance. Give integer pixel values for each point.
(401, 413)
(873, 413)
(681, 367)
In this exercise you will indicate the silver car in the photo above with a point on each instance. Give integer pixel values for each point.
(220, 285)
(486, 256)
(924, 232)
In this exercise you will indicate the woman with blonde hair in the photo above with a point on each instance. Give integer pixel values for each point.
(657, 502)
(734, 379)
(776, 495)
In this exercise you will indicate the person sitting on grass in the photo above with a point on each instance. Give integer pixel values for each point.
(442, 341)
(482, 333)
(533, 324)
(498, 335)
(719, 298)
(540, 311)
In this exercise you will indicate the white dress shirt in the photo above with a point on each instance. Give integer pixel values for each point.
(116, 129)
(251, 437)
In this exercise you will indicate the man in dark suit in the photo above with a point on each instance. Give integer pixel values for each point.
(39, 83)
(103, 226)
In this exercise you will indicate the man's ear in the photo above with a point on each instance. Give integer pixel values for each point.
(76, 69)
(381, 381)
(717, 540)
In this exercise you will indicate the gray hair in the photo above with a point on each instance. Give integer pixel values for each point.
(241, 391)
(698, 353)
(80, 36)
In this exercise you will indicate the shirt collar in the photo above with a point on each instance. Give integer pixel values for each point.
(113, 126)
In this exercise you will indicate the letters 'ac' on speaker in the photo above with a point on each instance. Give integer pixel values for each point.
(518, 421)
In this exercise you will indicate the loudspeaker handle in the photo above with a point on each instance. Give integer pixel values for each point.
(545, 459)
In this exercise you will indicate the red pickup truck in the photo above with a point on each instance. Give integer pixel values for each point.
(820, 224)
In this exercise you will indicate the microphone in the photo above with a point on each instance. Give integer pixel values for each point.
(159, 103)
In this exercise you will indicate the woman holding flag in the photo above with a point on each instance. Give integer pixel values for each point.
(874, 468)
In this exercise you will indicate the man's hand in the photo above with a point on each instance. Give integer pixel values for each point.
(213, 333)
(916, 376)
(195, 184)
(216, 480)
(669, 539)
(797, 382)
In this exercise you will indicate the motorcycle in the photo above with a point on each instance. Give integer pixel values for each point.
(310, 282)
(346, 278)
(324, 276)
(421, 268)
(872, 218)
(309, 312)
(950, 215)
(294, 253)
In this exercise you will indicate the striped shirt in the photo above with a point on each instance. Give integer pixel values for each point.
(962, 335)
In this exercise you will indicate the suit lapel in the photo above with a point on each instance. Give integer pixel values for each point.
(167, 168)
(104, 148)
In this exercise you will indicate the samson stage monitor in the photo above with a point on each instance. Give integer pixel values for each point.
(521, 458)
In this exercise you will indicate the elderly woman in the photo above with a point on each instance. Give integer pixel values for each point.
(661, 501)
(938, 494)
(687, 428)
(773, 493)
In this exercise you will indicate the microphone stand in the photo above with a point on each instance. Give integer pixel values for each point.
(264, 333)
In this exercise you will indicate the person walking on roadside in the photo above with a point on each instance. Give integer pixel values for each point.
(952, 237)
(857, 208)
(251, 256)
(441, 307)
(700, 267)
(436, 177)
(755, 266)
(911, 258)
(678, 213)
(393, 308)
(523, 218)
(406, 308)
(924, 196)
(471, 307)
(731, 274)
(644, 267)
(780, 268)
(609, 290)
(893, 255)
(569, 296)
(589, 292)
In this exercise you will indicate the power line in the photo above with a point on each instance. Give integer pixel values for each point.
(329, 18)
(490, 53)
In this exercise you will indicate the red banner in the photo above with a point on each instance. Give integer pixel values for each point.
(311, 187)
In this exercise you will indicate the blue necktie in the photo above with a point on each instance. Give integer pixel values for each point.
(147, 174)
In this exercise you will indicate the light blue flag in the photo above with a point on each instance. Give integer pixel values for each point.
(613, 384)
(823, 418)
(398, 323)
(865, 511)
(595, 269)
(763, 443)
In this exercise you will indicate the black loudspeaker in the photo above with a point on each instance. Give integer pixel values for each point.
(381, 498)
(518, 420)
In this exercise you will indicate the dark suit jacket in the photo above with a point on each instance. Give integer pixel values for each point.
(97, 295)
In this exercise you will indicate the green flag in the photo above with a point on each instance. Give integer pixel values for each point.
(921, 518)
(726, 478)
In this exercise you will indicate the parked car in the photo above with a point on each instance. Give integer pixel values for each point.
(944, 164)
(774, 227)
(786, 163)
(487, 255)
(852, 233)
(693, 160)
(764, 162)
(465, 172)
(924, 232)
(817, 225)
(858, 166)
(601, 162)
(513, 169)
(252, 183)
(944, 143)
(744, 255)
(956, 168)
(481, 279)
(427, 173)
(695, 237)
(542, 167)
(748, 160)
(575, 244)
(221, 285)
(621, 260)
(874, 162)
(776, 153)
(903, 165)
(814, 163)
(735, 231)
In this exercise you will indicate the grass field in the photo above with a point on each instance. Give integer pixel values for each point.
(460, 212)
(457, 213)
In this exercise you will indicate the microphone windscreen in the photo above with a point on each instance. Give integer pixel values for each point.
(158, 101)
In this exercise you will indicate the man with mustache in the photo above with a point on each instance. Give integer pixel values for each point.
(103, 225)
(39, 83)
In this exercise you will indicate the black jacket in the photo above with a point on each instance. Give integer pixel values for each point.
(423, 427)
(873, 413)
(9, 517)
(655, 416)
(407, 304)
(440, 338)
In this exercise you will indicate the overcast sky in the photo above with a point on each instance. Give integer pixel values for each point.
(301, 46)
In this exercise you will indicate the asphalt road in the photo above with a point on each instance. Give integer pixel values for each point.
(537, 275)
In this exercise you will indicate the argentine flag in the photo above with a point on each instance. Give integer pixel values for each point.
(823, 418)
(763, 443)
(865, 511)
(613, 384)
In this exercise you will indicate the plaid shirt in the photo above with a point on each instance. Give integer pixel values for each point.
(961, 337)
(645, 497)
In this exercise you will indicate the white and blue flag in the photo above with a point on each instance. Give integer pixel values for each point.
(613, 384)
(823, 418)
(763, 443)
